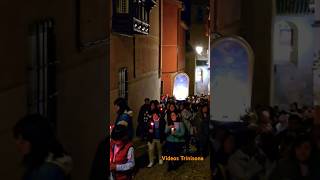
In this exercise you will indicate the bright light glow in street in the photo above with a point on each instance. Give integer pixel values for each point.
(181, 92)
(199, 49)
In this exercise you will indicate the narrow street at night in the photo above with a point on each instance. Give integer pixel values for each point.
(160, 90)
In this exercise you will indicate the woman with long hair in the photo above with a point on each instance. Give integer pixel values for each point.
(171, 108)
(299, 164)
(175, 131)
(43, 156)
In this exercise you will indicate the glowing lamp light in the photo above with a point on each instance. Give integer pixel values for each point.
(152, 123)
(180, 92)
(199, 50)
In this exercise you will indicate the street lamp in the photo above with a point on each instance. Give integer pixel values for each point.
(199, 49)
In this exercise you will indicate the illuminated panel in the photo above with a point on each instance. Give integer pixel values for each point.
(231, 79)
(181, 86)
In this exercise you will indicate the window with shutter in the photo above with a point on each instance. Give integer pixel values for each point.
(42, 92)
(123, 83)
(123, 6)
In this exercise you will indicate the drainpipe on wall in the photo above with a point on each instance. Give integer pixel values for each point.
(272, 66)
(160, 39)
(134, 56)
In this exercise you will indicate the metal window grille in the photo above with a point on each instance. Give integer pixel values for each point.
(123, 83)
(42, 90)
(123, 6)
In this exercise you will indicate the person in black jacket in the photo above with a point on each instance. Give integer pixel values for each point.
(143, 117)
(156, 137)
(100, 163)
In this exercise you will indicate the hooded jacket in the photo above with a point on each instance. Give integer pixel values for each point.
(126, 120)
(100, 162)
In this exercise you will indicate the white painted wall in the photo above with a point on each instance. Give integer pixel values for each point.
(293, 82)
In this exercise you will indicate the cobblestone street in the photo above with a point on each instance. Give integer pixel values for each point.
(195, 170)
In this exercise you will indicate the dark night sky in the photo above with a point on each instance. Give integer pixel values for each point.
(186, 14)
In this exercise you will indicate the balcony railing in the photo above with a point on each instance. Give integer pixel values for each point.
(295, 7)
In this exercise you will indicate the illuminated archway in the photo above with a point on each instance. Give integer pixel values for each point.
(231, 73)
(181, 86)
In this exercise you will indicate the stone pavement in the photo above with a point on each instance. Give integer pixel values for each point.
(192, 170)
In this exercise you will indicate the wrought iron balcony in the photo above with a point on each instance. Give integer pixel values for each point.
(294, 7)
(132, 16)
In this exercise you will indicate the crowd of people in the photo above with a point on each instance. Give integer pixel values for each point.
(169, 127)
(273, 144)
(269, 143)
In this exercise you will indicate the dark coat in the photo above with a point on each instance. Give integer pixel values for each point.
(51, 169)
(99, 168)
(143, 114)
(127, 117)
(288, 169)
(202, 125)
(162, 125)
(47, 171)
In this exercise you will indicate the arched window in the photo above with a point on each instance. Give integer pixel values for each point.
(286, 47)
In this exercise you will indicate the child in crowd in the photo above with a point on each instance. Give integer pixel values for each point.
(121, 154)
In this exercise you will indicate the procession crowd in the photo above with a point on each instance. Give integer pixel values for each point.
(169, 127)
(273, 144)
(268, 143)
